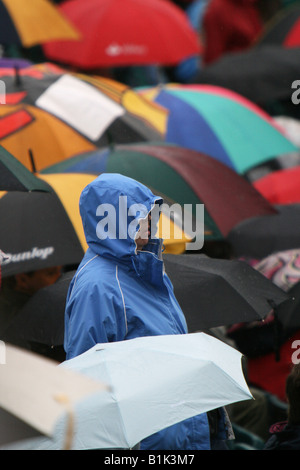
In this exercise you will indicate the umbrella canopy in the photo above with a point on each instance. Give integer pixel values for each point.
(26, 130)
(182, 176)
(17, 62)
(15, 177)
(39, 325)
(259, 237)
(213, 292)
(264, 75)
(291, 127)
(210, 292)
(42, 114)
(156, 381)
(125, 32)
(283, 29)
(280, 187)
(219, 123)
(175, 238)
(44, 229)
(37, 393)
(28, 24)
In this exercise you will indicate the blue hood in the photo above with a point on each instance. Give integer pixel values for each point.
(110, 207)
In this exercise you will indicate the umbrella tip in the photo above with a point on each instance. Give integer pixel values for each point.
(32, 162)
(17, 76)
(110, 140)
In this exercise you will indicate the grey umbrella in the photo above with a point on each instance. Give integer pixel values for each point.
(264, 75)
(39, 325)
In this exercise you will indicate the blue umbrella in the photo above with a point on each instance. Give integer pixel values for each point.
(155, 381)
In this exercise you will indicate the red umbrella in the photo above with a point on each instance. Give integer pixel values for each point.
(125, 32)
(280, 187)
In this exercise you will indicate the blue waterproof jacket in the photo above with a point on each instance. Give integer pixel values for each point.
(120, 293)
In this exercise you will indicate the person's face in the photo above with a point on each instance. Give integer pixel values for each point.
(143, 234)
(30, 283)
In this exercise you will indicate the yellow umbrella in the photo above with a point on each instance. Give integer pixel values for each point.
(44, 228)
(68, 187)
(28, 23)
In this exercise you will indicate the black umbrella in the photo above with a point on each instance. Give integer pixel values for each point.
(211, 293)
(259, 340)
(282, 29)
(214, 292)
(288, 314)
(39, 325)
(37, 232)
(264, 75)
(258, 237)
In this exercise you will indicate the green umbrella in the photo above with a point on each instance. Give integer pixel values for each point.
(182, 176)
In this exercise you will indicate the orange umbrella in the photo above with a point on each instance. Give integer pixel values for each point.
(25, 128)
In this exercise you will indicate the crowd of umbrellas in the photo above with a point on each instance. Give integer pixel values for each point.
(218, 142)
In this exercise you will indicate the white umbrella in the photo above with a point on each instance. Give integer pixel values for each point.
(155, 382)
(35, 394)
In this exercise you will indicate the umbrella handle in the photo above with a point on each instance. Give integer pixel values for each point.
(69, 433)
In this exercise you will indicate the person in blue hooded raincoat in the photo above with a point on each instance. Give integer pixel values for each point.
(120, 290)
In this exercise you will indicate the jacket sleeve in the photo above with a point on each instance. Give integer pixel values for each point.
(93, 315)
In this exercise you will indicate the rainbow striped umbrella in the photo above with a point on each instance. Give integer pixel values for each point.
(219, 123)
